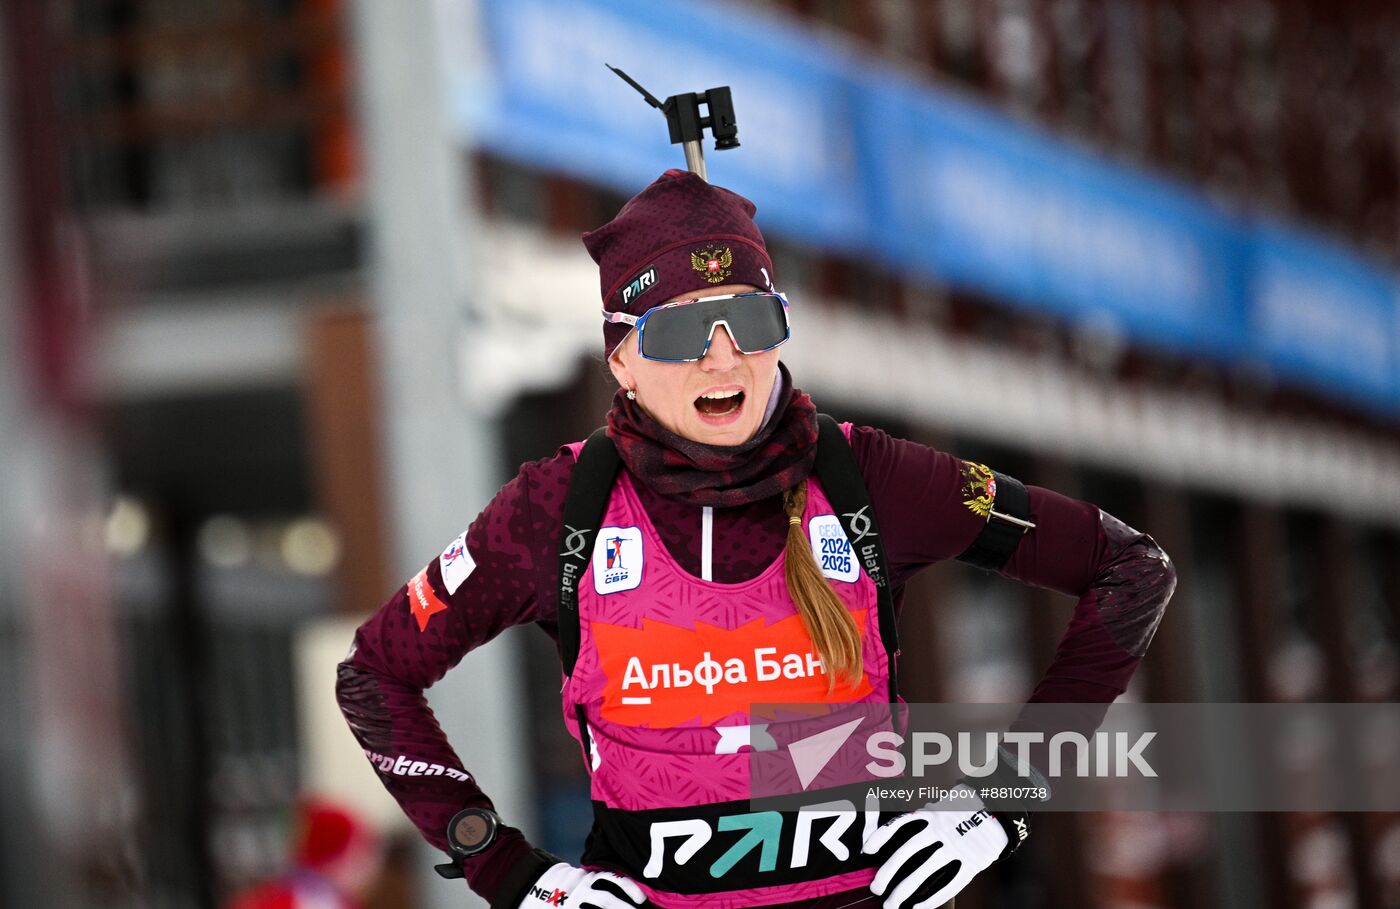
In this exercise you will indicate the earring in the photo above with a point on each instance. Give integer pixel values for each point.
(631, 395)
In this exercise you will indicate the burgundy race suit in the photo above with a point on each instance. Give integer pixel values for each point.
(922, 500)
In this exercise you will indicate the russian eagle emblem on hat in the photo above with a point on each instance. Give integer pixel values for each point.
(712, 263)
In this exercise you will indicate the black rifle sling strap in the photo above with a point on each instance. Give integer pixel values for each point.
(584, 505)
(844, 486)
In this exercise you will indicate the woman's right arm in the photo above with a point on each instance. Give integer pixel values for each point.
(459, 601)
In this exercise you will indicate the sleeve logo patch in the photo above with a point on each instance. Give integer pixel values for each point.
(832, 550)
(456, 563)
(979, 485)
(422, 600)
(617, 559)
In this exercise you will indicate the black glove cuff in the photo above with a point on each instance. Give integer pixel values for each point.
(1007, 790)
(521, 877)
(1017, 825)
(1013, 818)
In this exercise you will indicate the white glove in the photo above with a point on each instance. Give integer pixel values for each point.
(953, 847)
(574, 888)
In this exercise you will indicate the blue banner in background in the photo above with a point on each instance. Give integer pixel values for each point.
(962, 193)
(1321, 315)
(843, 153)
(554, 104)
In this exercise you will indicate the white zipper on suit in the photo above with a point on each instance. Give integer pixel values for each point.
(707, 529)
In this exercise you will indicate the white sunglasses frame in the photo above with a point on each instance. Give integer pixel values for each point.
(638, 323)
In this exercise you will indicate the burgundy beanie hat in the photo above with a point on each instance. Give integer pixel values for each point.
(678, 235)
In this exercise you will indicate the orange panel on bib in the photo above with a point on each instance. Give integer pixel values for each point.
(663, 675)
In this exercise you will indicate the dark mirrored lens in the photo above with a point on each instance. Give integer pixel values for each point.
(756, 323)
(677, 333)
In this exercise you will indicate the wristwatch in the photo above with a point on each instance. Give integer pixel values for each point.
(471, 830)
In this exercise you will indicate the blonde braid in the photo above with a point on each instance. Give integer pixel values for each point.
(829, 623)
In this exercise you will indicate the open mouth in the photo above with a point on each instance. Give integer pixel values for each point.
(720, 403)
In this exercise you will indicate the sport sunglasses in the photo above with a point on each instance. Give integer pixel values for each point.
(680, 331)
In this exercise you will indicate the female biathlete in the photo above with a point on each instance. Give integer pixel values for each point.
(700, 561)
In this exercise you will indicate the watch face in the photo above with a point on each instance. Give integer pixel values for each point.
(472, 830)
